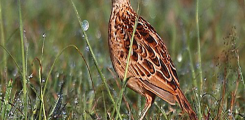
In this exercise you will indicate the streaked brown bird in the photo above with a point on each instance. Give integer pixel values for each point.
(151, 69)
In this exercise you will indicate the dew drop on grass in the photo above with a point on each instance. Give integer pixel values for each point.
(85, 25)
(60, 83)
(30, 76)
(11, 114)
(76, 101)
(87, 48)
(229, 112)
(179, 57)
(57, 74)
(64, 114)
(216, 103)
(195, 89)
(43, 80)
(44, 35)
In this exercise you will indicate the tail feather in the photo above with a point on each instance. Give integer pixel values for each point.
(185, 105)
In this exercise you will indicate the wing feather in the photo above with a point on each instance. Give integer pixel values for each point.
(151, 60)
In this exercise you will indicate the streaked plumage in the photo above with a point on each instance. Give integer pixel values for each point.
(151, 69)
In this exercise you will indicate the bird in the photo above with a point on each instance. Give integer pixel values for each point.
(151, 71)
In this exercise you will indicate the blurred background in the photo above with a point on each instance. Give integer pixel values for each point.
(53, 25)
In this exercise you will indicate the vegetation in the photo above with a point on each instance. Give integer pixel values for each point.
(47, 70)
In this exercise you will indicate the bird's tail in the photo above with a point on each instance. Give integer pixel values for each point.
(185, 105)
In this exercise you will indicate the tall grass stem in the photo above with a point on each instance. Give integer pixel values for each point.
(24, 81)
(3, 41)
(199, 59)
(44, 36)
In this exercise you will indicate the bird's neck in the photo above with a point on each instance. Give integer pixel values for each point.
(120, 2)
(119, 8)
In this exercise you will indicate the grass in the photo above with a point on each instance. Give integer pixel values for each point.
(24, 80)
(199, 60)
(63, 72)
(3, 40)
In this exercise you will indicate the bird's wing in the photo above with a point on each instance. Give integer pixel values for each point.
(151, 62)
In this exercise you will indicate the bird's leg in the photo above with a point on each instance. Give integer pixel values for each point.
(149, 100)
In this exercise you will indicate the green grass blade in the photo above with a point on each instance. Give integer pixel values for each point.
(25, 99)
(3, 40)
(104, 104)
(199, 60)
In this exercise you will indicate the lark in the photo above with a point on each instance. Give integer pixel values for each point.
(151, 71)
